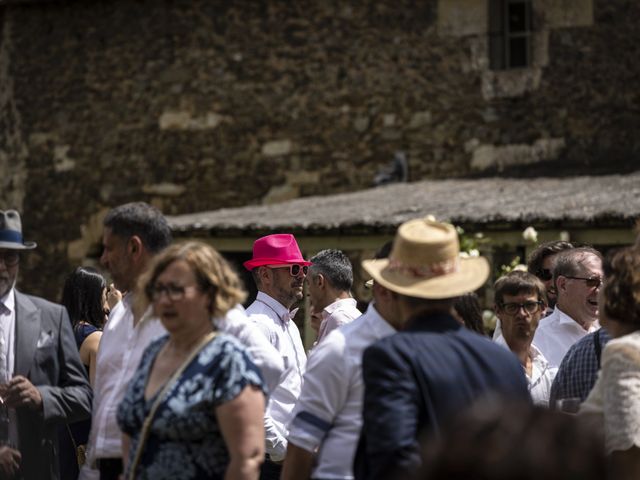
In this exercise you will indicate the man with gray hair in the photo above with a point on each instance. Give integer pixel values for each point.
(329, 287)
(577, 276)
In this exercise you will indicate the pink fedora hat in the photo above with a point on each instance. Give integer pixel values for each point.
(276, 249)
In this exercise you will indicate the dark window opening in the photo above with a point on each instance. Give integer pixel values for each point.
(509, 34)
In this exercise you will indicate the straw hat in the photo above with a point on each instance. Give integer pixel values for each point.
(425, 262)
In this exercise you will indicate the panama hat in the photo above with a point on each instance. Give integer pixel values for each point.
(11, 231)
(276, 249)
(425, 262)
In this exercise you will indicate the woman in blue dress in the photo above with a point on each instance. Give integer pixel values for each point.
(199, 392)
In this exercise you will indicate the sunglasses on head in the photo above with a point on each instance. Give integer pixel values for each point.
(544, 274)
(294, 270)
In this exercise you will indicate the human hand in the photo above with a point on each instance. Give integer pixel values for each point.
(113, 296)
(20, 392)
(9, 462)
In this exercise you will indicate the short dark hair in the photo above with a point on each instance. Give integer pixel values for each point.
(622, 287)
(142, 220)
(544, 250)
(335, 267)
(82, 296)
(568, 262)
(517, 282)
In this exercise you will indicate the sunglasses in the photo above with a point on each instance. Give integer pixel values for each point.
(10, 258)
(591, 282)
(294, 270)
(544, 274)
(513, 308)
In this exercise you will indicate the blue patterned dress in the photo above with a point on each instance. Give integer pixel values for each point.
(184, 441)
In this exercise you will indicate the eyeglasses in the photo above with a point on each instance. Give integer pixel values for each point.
(544, 274)
(174, 292)
(10, 258)
(592, 282)
(529, 307)
(294, 270)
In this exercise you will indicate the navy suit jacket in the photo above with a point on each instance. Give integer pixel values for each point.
(416, 379)
(46, 353)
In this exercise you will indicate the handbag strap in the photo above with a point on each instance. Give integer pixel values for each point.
(144, 434)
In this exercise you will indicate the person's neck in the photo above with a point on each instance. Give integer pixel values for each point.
(284, 302)
(520, 348)
(182, 343)
(585, 324)
(333, 296)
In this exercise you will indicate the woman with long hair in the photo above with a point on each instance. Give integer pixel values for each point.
(85, 298)
(615, 398)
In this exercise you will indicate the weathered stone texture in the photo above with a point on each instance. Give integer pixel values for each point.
(195, 105)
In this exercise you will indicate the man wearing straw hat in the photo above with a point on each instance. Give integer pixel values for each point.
(418, 378)
(42, 380)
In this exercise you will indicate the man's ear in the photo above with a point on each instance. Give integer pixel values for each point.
(319, 280)
(135, 246)
(561, 283)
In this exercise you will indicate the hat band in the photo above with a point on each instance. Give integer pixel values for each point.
(425, 271)
(10, 236)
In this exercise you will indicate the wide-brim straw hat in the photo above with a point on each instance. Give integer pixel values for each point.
(425, 262)
(11, 232)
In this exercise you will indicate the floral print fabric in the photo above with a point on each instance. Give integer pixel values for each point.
(184, 440)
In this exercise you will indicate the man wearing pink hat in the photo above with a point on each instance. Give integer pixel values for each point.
(279, 270)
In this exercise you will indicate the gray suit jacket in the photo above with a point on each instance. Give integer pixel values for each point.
(46, 353)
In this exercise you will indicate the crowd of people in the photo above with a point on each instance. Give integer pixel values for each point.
(164, 375)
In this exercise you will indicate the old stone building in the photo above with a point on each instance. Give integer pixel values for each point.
(202, 104)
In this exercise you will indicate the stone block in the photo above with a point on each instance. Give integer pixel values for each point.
(566, 13)
(491, 157)
(461, 18)
(277, 148)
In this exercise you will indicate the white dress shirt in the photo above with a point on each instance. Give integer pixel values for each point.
(7, 353)
(336, 315)
(274, 321)
(328, 415)
(556, 333)
(542, 374)
(263, 354)
(121, 347)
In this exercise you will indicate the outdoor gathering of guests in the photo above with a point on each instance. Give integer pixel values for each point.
(164, 375)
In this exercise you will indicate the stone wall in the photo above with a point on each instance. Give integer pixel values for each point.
(201, 104)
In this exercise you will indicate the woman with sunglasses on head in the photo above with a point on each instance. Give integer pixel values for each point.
(194, 408)
(614, 401)
(85, 297)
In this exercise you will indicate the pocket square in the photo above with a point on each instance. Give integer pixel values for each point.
(45, 339)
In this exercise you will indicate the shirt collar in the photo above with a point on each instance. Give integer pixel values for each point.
(564, 318)
(329, 309)
(379, 325)
(282, 311)
(9, 300)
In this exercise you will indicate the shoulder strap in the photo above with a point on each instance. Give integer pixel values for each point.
(167, 386)
(597, 347)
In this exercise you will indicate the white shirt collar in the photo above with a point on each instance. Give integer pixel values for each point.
(329, 309)
(380, 326)
(9, 299)
(282, 311)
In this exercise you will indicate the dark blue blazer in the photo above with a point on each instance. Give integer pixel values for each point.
(418, 378)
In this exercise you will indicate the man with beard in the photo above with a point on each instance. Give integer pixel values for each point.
(279, 270)
(520, 300)
(577, 276)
